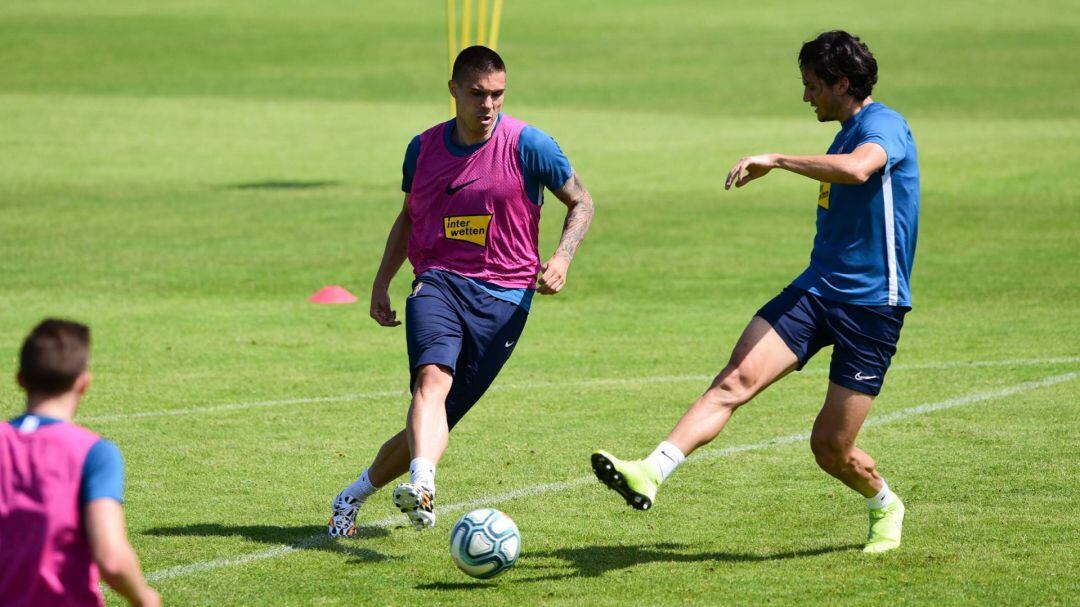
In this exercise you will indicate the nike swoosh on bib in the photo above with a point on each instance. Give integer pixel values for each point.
(454, 189)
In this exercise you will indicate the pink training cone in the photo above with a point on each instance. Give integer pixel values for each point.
(332, 294)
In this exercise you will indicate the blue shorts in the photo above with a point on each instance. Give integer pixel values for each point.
(864, 337)
(452, 322)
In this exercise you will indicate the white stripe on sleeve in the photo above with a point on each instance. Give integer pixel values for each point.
(890, 236)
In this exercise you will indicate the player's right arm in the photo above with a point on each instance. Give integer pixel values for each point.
(115, 558)
(397, 248)
(854, 168)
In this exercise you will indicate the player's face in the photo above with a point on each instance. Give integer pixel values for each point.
(826, 100)
(479, 99)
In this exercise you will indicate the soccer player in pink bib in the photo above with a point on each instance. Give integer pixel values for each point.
(473, 193)
(61, 487)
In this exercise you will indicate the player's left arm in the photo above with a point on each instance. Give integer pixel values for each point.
(106, 535)
(853, 168)
(101, 494)
(579, 214)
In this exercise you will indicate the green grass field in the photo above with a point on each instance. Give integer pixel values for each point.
(182, 174)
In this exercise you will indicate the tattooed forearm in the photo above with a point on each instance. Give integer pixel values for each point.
(578, 216)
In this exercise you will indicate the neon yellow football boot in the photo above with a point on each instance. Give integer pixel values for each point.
(885, 527)
(636, 481)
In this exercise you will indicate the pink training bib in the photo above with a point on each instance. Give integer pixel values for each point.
(470, 214)
(45, 559)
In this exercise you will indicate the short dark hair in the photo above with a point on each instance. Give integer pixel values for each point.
(477, 60)
(837, 54)
(53, 356)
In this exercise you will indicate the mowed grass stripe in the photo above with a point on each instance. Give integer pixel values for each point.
(582, 383)
(533, 490)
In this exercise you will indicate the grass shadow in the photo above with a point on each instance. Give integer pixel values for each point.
(456, 586)
(301, 537)
(282, 185)
(595, 561)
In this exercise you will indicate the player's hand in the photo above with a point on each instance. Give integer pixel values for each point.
(380, 307)
(753, 167)
(553, 275)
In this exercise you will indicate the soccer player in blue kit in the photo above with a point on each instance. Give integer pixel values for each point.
(853, 295)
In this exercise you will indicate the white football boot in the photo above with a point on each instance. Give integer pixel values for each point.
(418, 503)
(343, 515)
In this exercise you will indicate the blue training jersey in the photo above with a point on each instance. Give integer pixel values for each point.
(866, 233)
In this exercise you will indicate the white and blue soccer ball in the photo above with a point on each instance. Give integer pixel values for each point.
(484, 543)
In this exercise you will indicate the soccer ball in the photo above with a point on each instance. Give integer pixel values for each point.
(484, 543)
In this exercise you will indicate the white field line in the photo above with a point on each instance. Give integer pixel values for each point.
(533, 490)
(579, 383)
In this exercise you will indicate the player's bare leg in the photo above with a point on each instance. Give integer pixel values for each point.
(833, 440)
(427, 429)
(759, 358)
(428, 433)
(391, 462)
(833, 444)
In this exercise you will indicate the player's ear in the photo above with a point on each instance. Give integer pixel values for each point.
(843, 86)
(450, 84)
(82, 383)
(20, 380)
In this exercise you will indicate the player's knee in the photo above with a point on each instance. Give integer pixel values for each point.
(432, 371)
(733, 387)
(831, 452)
(433, 378)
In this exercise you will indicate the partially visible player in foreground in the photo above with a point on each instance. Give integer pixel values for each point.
(61, 487)
(854, 294)
(473, 192)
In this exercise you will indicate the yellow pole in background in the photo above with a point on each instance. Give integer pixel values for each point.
(496, 18)
(487, 30)
(451, 30)
(466, 24)
(481, 22)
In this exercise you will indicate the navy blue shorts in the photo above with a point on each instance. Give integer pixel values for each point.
(864, 337)
(450, 321)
